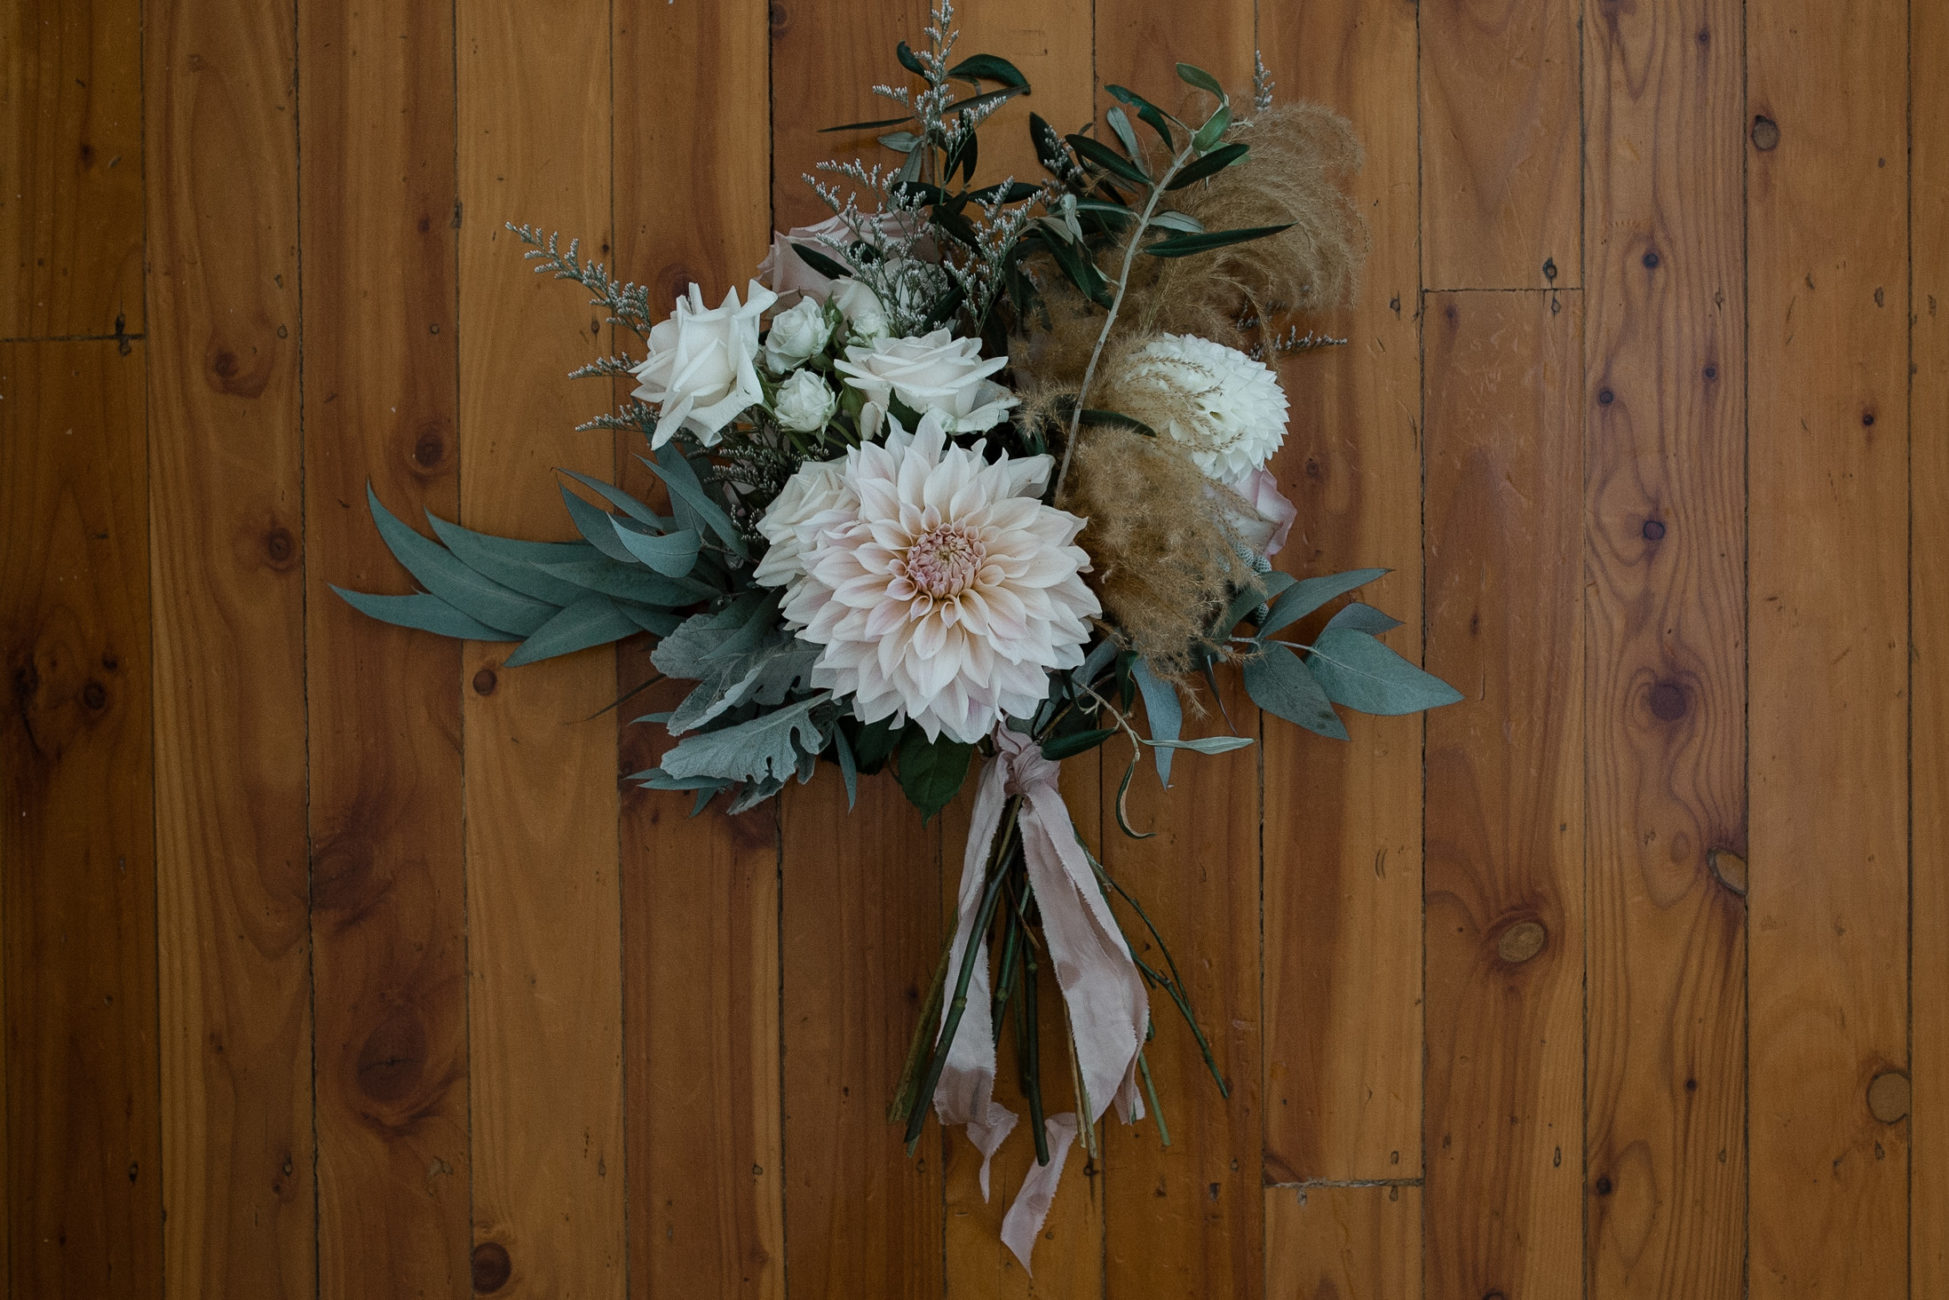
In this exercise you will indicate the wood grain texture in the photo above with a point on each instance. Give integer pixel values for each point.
(1499, 144)
(387, 894)
(1343, 1243)
(861, 902)
(1185, 1220)
(227, 591)
(83, 1172)
(1664, 670)
(1828, 550)
(700, 895)
(1343, 821)
(1504, 824)
(1928, 44)
(71, 156)
(543, 898)
(1052, 42)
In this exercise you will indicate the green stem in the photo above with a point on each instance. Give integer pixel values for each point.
(1116, 304)
(991, 895)
(1150, 1090)
(1174, 985)
(1031, 1052)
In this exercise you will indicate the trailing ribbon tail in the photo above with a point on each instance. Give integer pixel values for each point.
(1102, 990)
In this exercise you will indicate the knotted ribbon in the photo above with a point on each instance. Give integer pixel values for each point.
(1101, 987)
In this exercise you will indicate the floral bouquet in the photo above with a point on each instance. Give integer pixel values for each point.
(971, 472)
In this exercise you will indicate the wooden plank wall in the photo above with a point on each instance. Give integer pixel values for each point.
(333, 962)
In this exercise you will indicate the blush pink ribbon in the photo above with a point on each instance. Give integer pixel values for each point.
(1102, 990)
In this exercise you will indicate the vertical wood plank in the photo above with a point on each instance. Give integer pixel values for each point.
(1929, 599)
(1505, 927)
(1051, 41)
(543, 901)
(1828, 577)
(700, 895)
(1344, 1243)
(862, 899)
(83, 1170)
(227, 586)
(1665, 700)
(1499, 144)
(1187, 1220)
(1343, 821)
(388, 952)
(861, 890)
(71, 153)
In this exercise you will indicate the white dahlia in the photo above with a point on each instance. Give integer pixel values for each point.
(1240, 415)
(941, 587)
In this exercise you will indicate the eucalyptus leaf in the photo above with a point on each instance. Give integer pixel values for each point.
(1126, 136)
(516, 564)
(1279, 683)
(424, 613)
(1204, 744)
(677, 473)
(1303, 597)
(1361, 673)
(1123, 795)
(443, 574)
(1165, 714)
(628, 580)
(596, 524)
(591, 621)
(1196, 76)
(1363, 618)
(848, 766)
(623, 501)
(1213, 128)
(673, 556)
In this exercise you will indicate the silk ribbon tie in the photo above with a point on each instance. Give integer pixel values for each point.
(1102, 990)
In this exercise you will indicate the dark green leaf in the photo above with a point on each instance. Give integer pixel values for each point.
(1361, 673)
(899, 141)
(1302, 598)
(424, 613)
(873, 742)
(909, 60)
(1186, 245)
(1057, 748)
(656, 622)
(985, 98)
(1279, 683)
(592, 620)
(931, 772)
(1215, 161)
(1013, 192)
(989, 67)
(848, 767)
(1157, 119)
(1047, 152)
(1195, 76)
(1107, 158)
(866, 126)
(819, 262)
(1181, 221)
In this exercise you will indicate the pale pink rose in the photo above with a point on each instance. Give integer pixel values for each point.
(1271, 521)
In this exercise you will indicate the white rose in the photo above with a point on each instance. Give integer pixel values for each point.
(935, 373)
(794, 516)
(862, 309)
(700, 372)
(804, 402)
(797, 334)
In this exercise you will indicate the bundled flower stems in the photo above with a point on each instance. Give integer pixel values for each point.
(960, 481)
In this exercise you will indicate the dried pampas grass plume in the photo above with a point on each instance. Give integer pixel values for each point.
(1163, 550)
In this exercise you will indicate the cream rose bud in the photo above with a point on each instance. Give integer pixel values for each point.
(861, 307)
(804, 402)
(797, 334)
(936, 373)
(701, 370)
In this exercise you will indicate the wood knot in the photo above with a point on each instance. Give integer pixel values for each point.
(430, 449)
(485, 681)
(392, 1059)
(1889, 1094)
(1654, 530)
(1520, 942)
(1729, 868)
(230, 371)
(1604, 1185)
(1667, 701)
(1712, 372)
(491, 1267)
(1651, 260)
(94, 696)
(780, 21)
(1766, 133)
(1605, 397)
(280, 547)
(675, 279)
(1549, 269)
